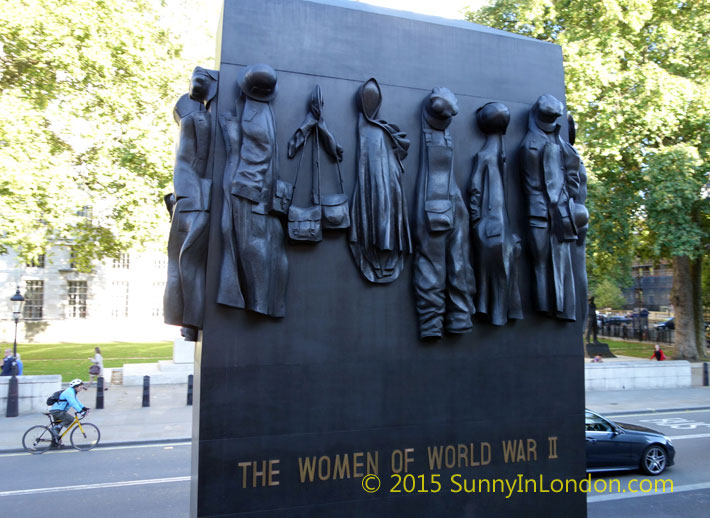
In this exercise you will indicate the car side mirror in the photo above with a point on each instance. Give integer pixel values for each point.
(616, 430)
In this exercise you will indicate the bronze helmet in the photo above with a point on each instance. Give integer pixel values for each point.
(258, 82)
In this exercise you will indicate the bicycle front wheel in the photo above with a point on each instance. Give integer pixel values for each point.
(87, 439)
(37, 439)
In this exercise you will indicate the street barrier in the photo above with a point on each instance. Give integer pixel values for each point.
(189, 389)
(100, 392)
(146, 391)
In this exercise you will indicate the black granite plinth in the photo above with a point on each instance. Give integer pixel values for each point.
(291, 413)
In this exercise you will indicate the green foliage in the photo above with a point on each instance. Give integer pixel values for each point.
(675, 179)
(87, 88)
(638, 84)
(608, 295)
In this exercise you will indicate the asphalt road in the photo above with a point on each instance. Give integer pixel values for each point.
(114, 482)
(690, 433)
(153, 480)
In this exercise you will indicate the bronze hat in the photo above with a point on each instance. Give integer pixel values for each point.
(258, 82)
(547, 110)
(440, 106)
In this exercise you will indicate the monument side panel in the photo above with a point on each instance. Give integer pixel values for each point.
(292, 413)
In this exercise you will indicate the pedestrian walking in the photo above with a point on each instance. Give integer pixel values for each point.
(97, 368)
(7, 363)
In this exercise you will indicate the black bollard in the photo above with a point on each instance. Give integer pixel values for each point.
(13, 397)
(146, 391)
(706, 376)
(189, 389)
(100, 392)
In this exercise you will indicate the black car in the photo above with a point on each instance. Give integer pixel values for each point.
(617, 320)
(619, 446)
(668, 324)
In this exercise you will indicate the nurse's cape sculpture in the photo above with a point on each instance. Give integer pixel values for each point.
(379, 234)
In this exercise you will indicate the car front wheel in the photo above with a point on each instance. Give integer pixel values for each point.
(654, 460)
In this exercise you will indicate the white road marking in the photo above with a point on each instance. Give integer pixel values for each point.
(653, 412)
(621, 496)
(696, 436)
(94, 486)
(69, 449)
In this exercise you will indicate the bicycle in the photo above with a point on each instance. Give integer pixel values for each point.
(40, 438)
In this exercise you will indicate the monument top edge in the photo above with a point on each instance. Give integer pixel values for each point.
(386, 11)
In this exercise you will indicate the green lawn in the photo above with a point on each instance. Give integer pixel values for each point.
(636, 349)
(72, 360)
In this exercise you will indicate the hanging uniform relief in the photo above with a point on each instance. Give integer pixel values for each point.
(379, 233)
(184, 299)
(304, 223)
(573, 161)
(496, 247)
(254, 269)
(443, 277)
(549, 188)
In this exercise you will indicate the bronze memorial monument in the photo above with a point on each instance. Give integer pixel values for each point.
(392, 320)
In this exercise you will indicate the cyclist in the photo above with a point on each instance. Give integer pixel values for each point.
(68, 398)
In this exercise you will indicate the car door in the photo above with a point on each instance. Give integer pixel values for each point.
(605, 447)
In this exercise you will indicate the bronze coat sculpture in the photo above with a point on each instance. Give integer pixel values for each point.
(443, 277)
(573, 161)
(496, 247)
(184, 298)
(254, 269)
(549, 188)
(379, 233)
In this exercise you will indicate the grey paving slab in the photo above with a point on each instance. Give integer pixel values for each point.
(653, 400)
(123, 418)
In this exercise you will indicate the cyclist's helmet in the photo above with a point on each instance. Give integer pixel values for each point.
(75, 383)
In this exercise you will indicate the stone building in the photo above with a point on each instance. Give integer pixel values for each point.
(651, 287)
(120, 300)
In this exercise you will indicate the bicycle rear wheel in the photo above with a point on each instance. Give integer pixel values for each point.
(87, 439)
(37, 439)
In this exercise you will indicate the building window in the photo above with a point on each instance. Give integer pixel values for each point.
(85, 212)
(34, 300)
(122, 262)
(158, 290)
(161, 263)
(77, 299)
(119, 296)
(37, 262)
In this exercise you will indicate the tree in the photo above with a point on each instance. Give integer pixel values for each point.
(638, 83)
(86, 130)
(608, 295)
(672, 206)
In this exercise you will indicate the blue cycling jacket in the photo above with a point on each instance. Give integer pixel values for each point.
(67, 399)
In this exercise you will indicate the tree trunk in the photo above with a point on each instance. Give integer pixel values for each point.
(682, 299)
(696, 272)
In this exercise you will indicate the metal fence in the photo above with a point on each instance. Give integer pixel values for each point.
(666, 336)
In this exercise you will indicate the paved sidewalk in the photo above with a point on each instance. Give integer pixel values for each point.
(630, 401)
(124, 420)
